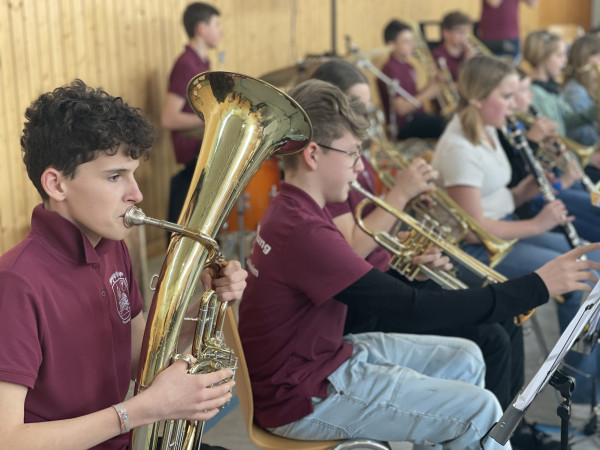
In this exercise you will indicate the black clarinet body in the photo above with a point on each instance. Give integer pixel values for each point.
(517, 139)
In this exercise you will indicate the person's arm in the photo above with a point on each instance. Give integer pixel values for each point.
(423, 310)
(403, 107)
(173, 118)
(187, 397)
(410, 182)
(469, 198)
(493, 3)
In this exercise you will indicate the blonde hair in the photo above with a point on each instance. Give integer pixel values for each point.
(477, 78)
(539, 45)
(578, 66)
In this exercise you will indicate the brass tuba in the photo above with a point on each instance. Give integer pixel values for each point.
(246, 121)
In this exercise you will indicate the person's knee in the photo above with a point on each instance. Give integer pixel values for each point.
(470, 359)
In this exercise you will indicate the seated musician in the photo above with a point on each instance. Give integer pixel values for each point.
(411, 119)
(308, 380)
(546, 53)
(581, 81)
(501, 344)
(455, 47)
(475, 172)
(71, 322)
(577, 201)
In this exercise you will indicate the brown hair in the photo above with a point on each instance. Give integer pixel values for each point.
(578, 66)
(331, 113)
(539, 45)
(477, 78)
(455, 19)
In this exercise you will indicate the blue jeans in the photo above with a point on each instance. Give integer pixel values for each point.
(402, 387)
(530, 254)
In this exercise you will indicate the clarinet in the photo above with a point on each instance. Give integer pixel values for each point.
(568, 154)
(518, 141)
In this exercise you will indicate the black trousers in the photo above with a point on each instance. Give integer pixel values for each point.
(180, 184)
(501, 345)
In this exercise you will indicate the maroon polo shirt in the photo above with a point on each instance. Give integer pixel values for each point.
(499, 23)
(404, 72)
(379, 257)
(290, 325)
(188, 65)
(65, 321)
(452, 62)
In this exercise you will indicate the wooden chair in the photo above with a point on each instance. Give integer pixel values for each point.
(259, 436)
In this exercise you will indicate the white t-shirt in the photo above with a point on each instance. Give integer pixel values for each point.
(461, 163)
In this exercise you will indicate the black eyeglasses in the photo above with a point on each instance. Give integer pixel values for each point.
(356, 155)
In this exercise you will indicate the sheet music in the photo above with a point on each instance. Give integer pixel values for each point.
(583, 325)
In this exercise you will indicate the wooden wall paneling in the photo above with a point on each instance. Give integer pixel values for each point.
(21, 28)
(129, 48)
(7, 113)
(561, 12)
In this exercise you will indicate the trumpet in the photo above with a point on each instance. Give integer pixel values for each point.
(421, 238)
(385, 158)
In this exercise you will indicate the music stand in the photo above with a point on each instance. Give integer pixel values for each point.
(583, 330)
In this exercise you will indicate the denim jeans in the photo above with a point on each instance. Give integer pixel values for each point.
(402, 387)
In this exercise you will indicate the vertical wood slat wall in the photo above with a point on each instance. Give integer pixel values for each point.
(128, 47)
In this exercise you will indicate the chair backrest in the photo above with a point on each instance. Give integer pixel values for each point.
(259, 436)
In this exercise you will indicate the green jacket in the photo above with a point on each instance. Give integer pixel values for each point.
(557, 109)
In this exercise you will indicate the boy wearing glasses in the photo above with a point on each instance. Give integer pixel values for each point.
(308, 381)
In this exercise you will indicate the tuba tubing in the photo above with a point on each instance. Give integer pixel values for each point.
(246, 121)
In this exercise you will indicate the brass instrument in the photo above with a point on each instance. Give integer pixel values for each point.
(583, 152)
(480, 47)
(421, 238)
(452, 213)
(448, 98)
(246, 121)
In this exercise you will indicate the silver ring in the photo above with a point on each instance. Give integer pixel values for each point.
(183, 357)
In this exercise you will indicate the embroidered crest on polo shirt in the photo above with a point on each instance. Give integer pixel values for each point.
(120, 288)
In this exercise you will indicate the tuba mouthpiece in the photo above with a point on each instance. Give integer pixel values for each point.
(134, 216)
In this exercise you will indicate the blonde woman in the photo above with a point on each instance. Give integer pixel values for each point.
(475, 171)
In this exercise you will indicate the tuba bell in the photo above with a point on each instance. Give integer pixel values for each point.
(246, 121)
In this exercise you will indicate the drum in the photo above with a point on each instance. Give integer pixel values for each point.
(255, 199)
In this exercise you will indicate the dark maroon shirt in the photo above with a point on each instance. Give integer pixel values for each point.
(379, 257)
(404, 72)
(65, 321)
(499, 23)
(452, 62)
(188, 65)
(290, 325)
